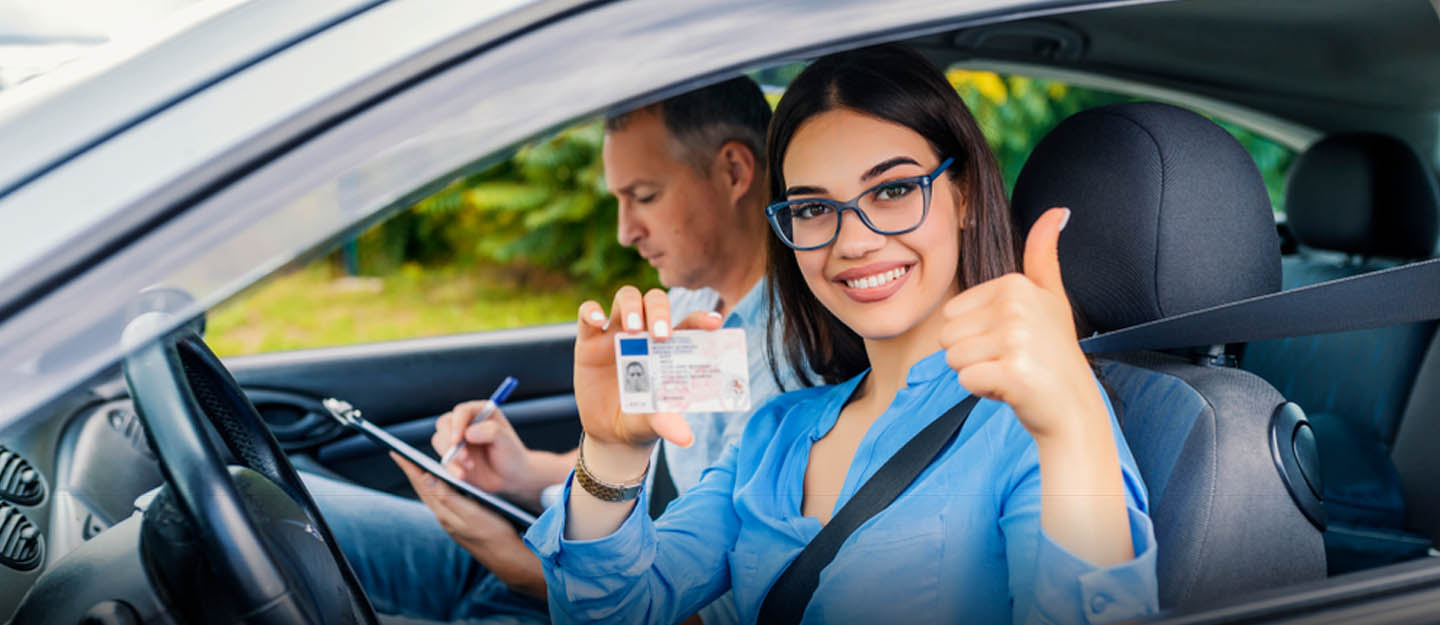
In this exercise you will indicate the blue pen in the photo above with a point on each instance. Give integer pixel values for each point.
(500, 395)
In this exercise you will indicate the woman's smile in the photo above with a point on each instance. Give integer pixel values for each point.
(875, 281)
(881, 286)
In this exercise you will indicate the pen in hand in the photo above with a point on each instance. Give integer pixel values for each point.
(501, 393)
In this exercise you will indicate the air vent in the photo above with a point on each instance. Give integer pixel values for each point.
(19, 482)
(21, 546)
(127, 423)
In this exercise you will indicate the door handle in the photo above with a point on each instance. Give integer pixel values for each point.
(297, 421)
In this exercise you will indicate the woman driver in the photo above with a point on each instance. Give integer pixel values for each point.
(894, 265)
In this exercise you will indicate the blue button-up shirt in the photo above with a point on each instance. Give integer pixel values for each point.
(715, 431)
(963, 544)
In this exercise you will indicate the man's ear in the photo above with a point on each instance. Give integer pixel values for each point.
(736, 165)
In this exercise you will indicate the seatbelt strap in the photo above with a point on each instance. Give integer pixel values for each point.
(662, 484)
(1387, 297)
(788, 597)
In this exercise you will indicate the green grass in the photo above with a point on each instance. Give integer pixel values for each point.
(317, 306)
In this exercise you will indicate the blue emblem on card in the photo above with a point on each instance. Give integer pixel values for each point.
(635, 347)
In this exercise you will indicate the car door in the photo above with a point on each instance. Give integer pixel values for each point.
(403, 386)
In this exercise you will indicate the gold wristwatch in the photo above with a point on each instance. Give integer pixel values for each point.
(601, 489)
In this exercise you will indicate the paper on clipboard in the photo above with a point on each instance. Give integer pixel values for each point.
(348, 415)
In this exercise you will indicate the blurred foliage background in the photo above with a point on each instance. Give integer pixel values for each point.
(525, 240)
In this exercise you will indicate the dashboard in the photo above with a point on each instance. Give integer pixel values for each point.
(65, 477)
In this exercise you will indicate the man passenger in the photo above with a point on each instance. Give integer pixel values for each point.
(690, 177)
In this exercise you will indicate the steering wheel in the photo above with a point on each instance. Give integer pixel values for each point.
(242, 520)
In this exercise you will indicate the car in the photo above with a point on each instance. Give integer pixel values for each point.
(138, 195)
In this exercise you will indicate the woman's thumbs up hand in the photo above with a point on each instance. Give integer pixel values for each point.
(1013, 339)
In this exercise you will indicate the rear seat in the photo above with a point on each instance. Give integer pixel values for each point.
(1355, 203)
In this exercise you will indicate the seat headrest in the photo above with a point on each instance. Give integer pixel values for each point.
(1363, 193)
(1169, 213)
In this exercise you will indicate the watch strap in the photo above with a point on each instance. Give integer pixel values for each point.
(601, 489)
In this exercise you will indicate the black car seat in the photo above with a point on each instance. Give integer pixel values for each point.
(1414, 450)
(1169, 216)
(1355, 203)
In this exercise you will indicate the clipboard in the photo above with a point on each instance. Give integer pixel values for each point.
(349, 416)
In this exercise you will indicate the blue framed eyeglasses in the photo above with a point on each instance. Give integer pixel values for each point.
(891, 207)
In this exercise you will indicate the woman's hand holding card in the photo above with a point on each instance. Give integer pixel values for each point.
(597, 391)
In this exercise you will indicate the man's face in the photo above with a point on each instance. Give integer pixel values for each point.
(676, 217)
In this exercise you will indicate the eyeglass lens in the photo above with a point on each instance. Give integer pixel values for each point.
(891, 207)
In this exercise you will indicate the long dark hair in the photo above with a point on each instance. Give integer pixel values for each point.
(892, 83)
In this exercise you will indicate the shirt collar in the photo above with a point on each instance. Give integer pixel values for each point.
(838, 395)
(927, 369)
(748, 310)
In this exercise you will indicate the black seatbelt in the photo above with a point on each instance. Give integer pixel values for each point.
(1393, 296)
(787, 599)
(662, 485)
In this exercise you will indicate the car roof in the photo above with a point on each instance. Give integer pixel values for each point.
(61, 113)
(1327, 65)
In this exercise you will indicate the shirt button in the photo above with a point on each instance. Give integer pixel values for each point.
(1099, 602)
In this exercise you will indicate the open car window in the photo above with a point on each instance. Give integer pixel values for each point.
(527, 237)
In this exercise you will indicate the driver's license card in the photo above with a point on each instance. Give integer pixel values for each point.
(692, 371)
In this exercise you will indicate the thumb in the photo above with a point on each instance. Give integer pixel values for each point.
(1042, 256)
(483, 432)
(672, 427)
(412, 473)
(497, 415)
(701, 320)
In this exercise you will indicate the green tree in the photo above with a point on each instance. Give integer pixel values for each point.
(545, 206)
(1015, 112)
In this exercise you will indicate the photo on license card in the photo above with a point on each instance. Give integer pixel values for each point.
(692, 371)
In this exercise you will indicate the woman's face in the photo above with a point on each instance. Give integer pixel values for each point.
(837, 155)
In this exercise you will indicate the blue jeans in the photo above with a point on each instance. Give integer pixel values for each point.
(411, 569)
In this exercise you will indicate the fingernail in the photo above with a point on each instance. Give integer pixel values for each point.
(633, 323)
(661, 329)
(715, 314)
(1065, 220)
(597, 316)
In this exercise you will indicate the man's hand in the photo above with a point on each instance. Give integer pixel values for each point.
(485, 534)
(493, 458)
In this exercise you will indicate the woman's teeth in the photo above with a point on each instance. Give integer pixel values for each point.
(879, 279)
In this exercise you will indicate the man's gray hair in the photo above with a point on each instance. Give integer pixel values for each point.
(699, 122)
